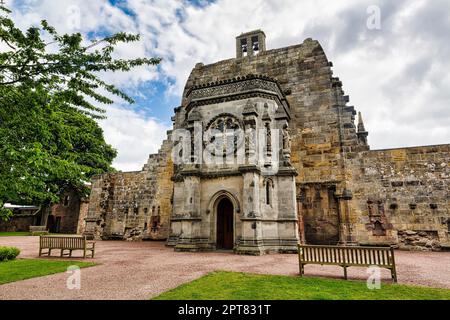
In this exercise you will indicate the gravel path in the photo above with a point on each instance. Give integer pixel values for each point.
(140, 270)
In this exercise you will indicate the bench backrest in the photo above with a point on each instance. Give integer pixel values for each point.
(62, 242)
(366, 256)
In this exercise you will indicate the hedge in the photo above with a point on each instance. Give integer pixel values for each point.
(8, 253)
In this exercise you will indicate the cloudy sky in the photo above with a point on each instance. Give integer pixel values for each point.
(397, 75)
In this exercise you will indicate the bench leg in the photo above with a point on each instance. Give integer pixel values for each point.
(70, 254)
(301, 270)
(84, 253)
(93, 253)
(394, 275)
(345, 273)
(62, 252)
(49, 252)
(43, 253)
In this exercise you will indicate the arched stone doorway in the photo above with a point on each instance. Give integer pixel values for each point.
(225, 224)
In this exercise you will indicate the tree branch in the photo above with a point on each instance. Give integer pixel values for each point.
(8, 44)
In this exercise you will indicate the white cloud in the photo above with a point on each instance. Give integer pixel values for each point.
(134, 135)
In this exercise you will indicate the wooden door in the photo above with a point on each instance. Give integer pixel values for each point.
(225, 230)
(51, 223)
(58, 225)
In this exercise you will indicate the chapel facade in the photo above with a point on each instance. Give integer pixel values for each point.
(271, 156)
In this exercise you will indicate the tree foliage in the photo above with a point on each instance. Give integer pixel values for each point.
(49, 97)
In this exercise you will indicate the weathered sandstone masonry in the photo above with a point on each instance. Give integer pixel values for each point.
(340, 191)
(133, 205)
(401, 196)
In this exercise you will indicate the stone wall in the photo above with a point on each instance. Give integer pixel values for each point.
(84, 206)
(133, 205)
(402, 196)
(18, 223)
(67, 211)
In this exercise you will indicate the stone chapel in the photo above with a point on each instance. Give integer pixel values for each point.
(299, 168)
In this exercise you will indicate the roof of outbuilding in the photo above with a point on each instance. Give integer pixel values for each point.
(19, 206)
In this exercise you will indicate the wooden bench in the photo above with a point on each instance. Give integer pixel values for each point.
(65, 243)
(345, 257)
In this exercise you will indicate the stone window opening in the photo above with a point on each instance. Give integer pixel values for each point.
(378, 229)
(155, 220)
(268, 139)
(393, 206)
(66, 201)
(255, 45)
(269, 187)
(244, 48)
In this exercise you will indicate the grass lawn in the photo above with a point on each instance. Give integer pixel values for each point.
(24, 233)
(14, 234)
(22, 269)
(223, 285)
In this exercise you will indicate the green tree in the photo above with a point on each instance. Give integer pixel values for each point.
(49, 97)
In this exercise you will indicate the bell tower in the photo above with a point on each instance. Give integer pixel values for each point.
(250, 43)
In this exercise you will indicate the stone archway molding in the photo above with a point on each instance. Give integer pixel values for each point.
(222, 194)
